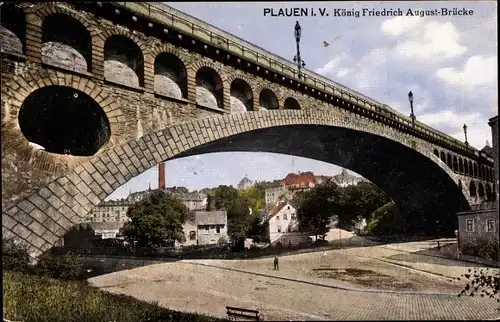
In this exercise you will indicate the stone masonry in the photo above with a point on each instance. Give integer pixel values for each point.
(155, 113)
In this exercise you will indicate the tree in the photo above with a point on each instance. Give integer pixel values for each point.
(238, 221)
(482, 282)
(317, 208)
(225, 196)
(156, 220)
(259, 230)
(255, 196)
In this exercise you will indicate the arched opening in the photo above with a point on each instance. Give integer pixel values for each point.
(12, 29)
(268, 100)
(472, 189)
(209, 91)
(449, 163)
(491, 175)
(489, 193)
(475, 170)
(480, 190)
(170, 76)
(66, 43)
(460, 165)
(64, 120)
(436, 153)
(481, 172)
(471, 169)
(460, 184)
(466, 167)
(443, 157)
(455, 163)
(123, 61)
(291, 104)
(241, 96)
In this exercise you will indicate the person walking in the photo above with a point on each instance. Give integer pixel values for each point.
(276, 263)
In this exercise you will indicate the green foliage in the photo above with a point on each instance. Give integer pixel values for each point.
(482, 248)
(238, 219)
(297, 199)
(387, 220)
(222, 241)
(224, 197)
(259, 231)
(255, 196)
(482, 282)
(66, 267)
(317, 208)
(156, 220)
(15, 256)
(32, 298)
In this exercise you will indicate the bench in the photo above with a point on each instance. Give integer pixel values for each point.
(237, 312)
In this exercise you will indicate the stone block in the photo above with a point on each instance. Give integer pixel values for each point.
(21, 231)
(37, 200)
(26, 206)
(35, 240)
(38, 215)
(8, 221)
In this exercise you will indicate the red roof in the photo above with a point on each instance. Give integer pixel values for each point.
(304, 178)
(277, 209)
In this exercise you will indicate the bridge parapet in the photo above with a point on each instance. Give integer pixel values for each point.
(218, 38)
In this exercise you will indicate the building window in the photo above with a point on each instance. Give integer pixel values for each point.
(277, 217)
(285, 216)
(490, 225)
(217, 229)
(288, 208)
(469, 225)
(279, 229)
(192, 235)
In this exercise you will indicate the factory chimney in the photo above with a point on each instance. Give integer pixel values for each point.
(161, 176)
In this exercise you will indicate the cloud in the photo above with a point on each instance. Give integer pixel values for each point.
(399, 25)
(434, 41)
(450, 118)
(476, 71)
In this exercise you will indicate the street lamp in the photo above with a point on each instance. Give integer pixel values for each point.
(297, 59)
(410, 98)
(465, 132)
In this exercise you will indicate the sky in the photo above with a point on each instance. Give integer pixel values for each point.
(448, 62)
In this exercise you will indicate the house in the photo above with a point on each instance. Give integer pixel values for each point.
(302, 181)
(284, 226)
(480, 225)
(276, 194)
(192, 200)
(344, 179)
(211, 226)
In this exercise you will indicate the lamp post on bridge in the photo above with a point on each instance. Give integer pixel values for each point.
(296, 58)
(465, 133)
(412, 115)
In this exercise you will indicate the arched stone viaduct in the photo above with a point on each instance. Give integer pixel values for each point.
(111, 90)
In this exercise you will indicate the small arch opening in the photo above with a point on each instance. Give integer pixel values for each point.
(241, 96)
(475, 170)
(12, 29)
(472, 189)
(170, 76)
(449, 162)
(268, 100)
(209, 90)
(291, 104)
(436, 153)
(66, 43)
(460, 165)
(489, 193)
(443, 157)
(455, 163)
(123, 61)
(64, 120)
(480, 190)
(471, 169)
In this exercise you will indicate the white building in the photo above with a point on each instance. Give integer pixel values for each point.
(210, 227)
(284, 226)
(274, 195)
(345, 179)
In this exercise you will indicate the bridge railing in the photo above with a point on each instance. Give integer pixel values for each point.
(242, 48)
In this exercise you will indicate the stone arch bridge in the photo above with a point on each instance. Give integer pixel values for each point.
(95, 94)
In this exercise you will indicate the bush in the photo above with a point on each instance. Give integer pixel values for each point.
(222, 241)
(481, 248)
(32, 298)
(15, 257)
(66, 267)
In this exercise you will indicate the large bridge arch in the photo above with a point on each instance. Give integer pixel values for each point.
(400, 161)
